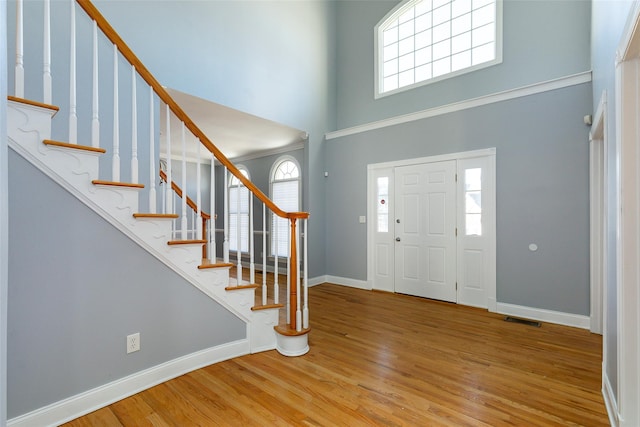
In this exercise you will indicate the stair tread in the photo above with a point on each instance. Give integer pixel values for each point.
(34, 103)
(117, 184)
(216, 265)
(289, 332)
(266, 306)
(186, 242)
(73, 146)
(237, 288)
(154, 215)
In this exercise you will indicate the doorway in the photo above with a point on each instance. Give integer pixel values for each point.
(432, 232)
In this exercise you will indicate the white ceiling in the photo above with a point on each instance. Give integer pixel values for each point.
(235, 133)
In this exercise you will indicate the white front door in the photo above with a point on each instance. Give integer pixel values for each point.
(476, 231)
(425, 230)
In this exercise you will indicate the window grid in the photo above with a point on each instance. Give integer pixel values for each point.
(473, 201)
(383, 204)
(429, 39)
(285, 192)
(238, 189)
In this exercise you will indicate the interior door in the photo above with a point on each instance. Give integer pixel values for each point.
(425, 230)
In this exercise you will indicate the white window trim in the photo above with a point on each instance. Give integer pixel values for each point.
(399, 9)
(272, 172)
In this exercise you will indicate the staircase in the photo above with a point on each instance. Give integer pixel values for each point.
(164, 221)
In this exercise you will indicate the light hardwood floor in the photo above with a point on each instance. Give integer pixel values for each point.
(389, 360)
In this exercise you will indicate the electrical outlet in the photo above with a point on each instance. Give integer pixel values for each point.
(133, 342)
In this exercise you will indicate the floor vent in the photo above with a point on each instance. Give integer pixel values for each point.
(523, 321)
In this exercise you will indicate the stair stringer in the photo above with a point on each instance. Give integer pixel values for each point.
(74, 170)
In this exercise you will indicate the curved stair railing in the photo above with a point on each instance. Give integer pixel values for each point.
(155, 101)
(198, 221)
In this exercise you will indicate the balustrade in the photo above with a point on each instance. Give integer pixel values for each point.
(195, 223)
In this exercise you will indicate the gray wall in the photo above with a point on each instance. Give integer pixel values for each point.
(78, 287)
(608, 22)
(542, 146)
(543, 40)
(542, 191)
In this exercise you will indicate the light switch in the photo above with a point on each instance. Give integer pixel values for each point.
(362, 219)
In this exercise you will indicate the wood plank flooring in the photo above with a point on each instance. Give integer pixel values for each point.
(389, 360)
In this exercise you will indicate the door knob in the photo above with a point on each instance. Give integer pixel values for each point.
(397, 239)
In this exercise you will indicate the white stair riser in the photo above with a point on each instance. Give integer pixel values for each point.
(121, 202)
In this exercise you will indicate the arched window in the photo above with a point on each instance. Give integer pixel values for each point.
(238, 203)
(285, 193)
(422, 41)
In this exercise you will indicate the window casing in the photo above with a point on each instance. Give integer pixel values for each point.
(238, 203)
(285, 193)
(424, 41)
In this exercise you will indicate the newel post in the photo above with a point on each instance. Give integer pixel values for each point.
(293, 286)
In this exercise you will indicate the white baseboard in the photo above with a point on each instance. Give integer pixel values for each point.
(492, 305)
(609, 400)
(99, 397)
(540, 314)
(345, 281)
(317, 280)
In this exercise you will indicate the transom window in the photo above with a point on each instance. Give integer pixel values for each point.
(285, 192)
(238, 213)
(422, 41)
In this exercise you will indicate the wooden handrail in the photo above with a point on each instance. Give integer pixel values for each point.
(113, 36)
(178, 191)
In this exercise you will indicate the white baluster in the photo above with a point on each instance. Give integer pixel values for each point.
(152, 155)
(193, 229)
(168, 190)
(19, 70)
(305, 263)
(276, 286)
(73, 118)
(287, 298)
(183, 218)
(116, 123)
(46, 71)
(225, 242)
(264, 254)
(174, 203)
(252, 266)
(95, 107)
(198, 224)
(134, 127)
(238, 237)
(163, 202)
(212, 221)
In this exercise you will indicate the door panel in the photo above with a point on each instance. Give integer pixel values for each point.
(382, 234)
(476, 233)
(425, 230)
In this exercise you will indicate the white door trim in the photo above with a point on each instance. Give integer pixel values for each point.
(628, 245)
(489, 152)
(432, 159)
(598, 216)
